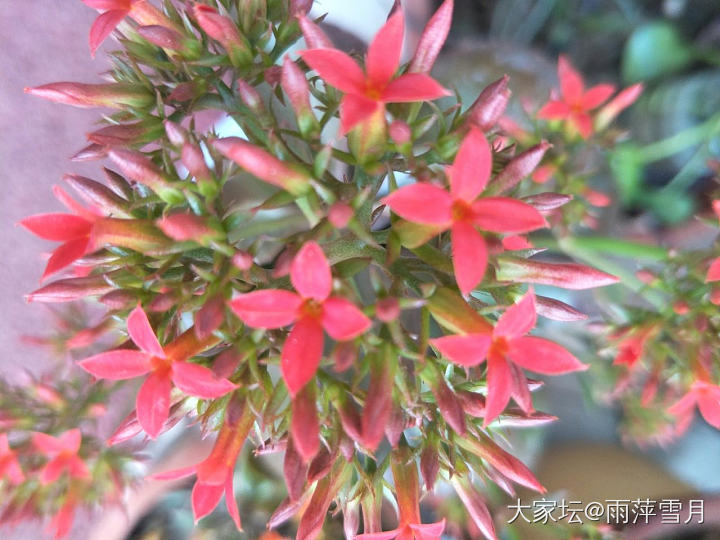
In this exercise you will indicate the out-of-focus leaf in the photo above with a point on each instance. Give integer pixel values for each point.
(655, 50)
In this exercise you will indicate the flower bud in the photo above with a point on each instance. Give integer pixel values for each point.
(185, 91)
(520, 167)
(597, 198)
(490, 104)
(448, 403)
(98, 195)
(223, 30)
(69, 289)
(114, 95)
(210, 316)
(314, 37)
(242, 260)
(349, 416)
(395, 425)
(193, 159)
(400, 132)
(321, 464)
(167, 38)
(378, 403)
(475, 506)
(186, 227)
(138, 167)
(251, 98)
(296, 87)
(118, 135)
(118, 300)
(615, 106)
(91, 152)
(300, 7)
(344, 355)
(543, 173)
(432, 39)
(681, 307)
(387, 309)
(430, 463)
(137, 234)
(304, 425)
(556, 310)
(715, 296)
(565, 275)
(294, 471)
(340, 214)
(175, 133)
(547, 202)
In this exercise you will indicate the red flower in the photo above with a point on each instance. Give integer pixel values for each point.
(508, 349)
(73, 230)
(63, 456)
(707, 398)
(311, 310)
(461, 210)
(576, 103)
(165, 365)
(366, 91)
(9, 464)
(632, 344)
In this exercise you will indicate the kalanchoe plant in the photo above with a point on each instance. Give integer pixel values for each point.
(356, 294)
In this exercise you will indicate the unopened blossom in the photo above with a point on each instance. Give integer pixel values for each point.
(9, 464)
(575, 103)
(463, 211)
(311, 309)
(507, 349)
(164, 366)
(367, 92)
(62, 453)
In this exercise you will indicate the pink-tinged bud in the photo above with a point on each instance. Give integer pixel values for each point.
(490, 104)
(556, 310)
(98, 195)
(448, 403)
(547, 202)
(223, 30)
(273, 75)
(565, 275)
(286, 510)
(166, 38)
(294, 471)
(138, 167)
(475, 506)
(395, 425)
(137, 234)
(163, 302)
(387, 309)
(597, 198)
(67, 290)
(118, 300)
(349, 417)
(315, 38)
(186, 227)
(715, 296)
(312, 520)
(88, 336)
(378, 403)
(113, 95)
(128, 428)
(646, 276)
(175, 133)
(340, 214)
(226, 363)
(295, 85)
(344, 355)
(304, 425)
(432, 39)
(242, 260)
(321, 464)
(543, 173)
(145, 13)
(520, 167)
(616, 105)
(48, 395)
(251, 98)
(264, 166)
(400, 132)
(472, 403)
(185, 92)
(429, 465)
(681, 307)
(118, 183)
(210, 316)
(283, 263)
(91, 152)
(300, 7)
(193, 159)
(517, 418)
(117, 135)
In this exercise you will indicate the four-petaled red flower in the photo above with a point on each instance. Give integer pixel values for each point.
(707, 398)
(461, 210)
(166, 366)
(368, 91)
(9, 464)
(508, 349)
(312, 309)
(62, 452)
(73, 230)
(575, 103)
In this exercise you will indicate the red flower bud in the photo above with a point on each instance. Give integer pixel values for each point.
(164, 37)
(226, 363)
(448, 403)
(429, 465)
(98, 195)
(294, 471)
(344, 355)
(557, 311)
(300, 7)
(118, 300)
(387, 309)
(547, 202)
(175, 133)
(91, 152)
(378, 404)
(138, 167)
(475, 505)
(321, 464)
(67, 290)
(251, 98)
(117, 135)
(185, 227)
(490, 104)
(432, 39)
(223, 30)
(242, 260)
(520, 167)
(296, 87)
(395, 425)
(565, 275)
(210, 316)
(304, 426)
(114, 95)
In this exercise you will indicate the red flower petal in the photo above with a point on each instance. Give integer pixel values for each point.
(520, 390)
(683, 405)
(432, 39)
(469, 350)
(413, 87)
(389, 535)
(105, 5)
(301, 353)
(65, 255)
(103, 26)
(310, 272)
(597, 95)
(117, 365)
(231, 503)
(70, 440)
(343, 320)
(355, 109)
(315, 38)
(53, 470)
(429, 529)
(78, 468)
(543, 356)
(709, 406)
(714, 271)
(47, 443)
(205, 497)
(199, 381)
(470, 171)
(571, 83)
(554, 110)
(421, 203)
(336, 68)
(502, 214)
(469, 254)
(57, 227)
(269, 308)
(174, 474)
(383, 56)
(153, 403)
(143, 334)
(499, 387)
(583, 123)
(518, 319)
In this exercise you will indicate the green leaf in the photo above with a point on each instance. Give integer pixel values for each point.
(655, 50)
